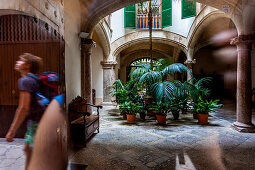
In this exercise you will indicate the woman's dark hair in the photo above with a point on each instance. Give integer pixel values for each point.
(34, 61)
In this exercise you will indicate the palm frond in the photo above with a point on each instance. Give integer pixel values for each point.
(141, 69)
(163, 63)
(151, 77)
(176, 68)
(200, 83)
(163, 90)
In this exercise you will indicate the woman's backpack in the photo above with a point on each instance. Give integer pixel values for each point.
(49, 87)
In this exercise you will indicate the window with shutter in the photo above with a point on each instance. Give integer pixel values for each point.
(188, 9)
(166, 13)
(130, 16)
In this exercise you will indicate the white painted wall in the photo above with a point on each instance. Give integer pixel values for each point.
(117, 24)
(72, 49)
(97, 73)
(179, 26)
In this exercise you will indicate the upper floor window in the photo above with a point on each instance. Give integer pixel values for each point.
(136, 16)
(142, 15)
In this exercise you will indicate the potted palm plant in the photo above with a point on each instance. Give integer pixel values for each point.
(132, 110)
(198, 89)
(174, 107)
(119, 91)
(203, 107)
(124, 110)
(182, 94)
(162, 109)
(153, 77)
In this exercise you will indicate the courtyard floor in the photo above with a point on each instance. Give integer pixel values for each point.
(181, 144)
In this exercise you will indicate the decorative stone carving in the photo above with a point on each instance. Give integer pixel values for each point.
(243, 39)
(190, 63)
(108, 64)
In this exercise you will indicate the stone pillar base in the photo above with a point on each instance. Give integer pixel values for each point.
(241, 127)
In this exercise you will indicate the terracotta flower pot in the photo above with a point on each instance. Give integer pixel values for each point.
(161, 119)
(131, 118)
(202, 119)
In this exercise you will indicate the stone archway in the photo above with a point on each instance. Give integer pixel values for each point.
(140, 37)
(207, 16)
(103, 36)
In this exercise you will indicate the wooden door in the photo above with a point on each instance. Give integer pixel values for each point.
(24, 34)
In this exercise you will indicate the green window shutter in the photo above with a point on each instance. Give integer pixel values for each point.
(130, 16)
(188, 9)
(166, 13)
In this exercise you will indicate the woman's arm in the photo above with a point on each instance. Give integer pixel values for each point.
(20, 115)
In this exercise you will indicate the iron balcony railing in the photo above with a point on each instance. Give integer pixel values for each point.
(143, 21)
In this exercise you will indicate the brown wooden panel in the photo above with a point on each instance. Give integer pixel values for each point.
(6, 74)
(21, 28)
(6, 115)
(20, 34)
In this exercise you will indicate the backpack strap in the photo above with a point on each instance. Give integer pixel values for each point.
(33, 76)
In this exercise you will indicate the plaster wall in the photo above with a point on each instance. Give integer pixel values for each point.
(97, 73)
(179, 26)
(50, 11)
(72, 49)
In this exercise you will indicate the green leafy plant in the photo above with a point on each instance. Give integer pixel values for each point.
(162, 108)
(123, 108)
(154, 78)
(130, 108)
(198, 89)
(205, 106)
(119, 91)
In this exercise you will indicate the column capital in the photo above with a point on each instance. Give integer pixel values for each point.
(108, 64)
(88, 42)
(190, 63)
(243, 39)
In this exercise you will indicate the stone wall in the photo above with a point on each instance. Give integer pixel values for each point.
(50, 11)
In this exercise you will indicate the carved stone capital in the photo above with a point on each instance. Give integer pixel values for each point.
(244, 41)
(190, 63)
(87, 43)
(108, 64)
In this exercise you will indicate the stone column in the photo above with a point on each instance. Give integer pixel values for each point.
(189, 64)
(108, 79)
(243, 96)
(176, 55)
(86, 82)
